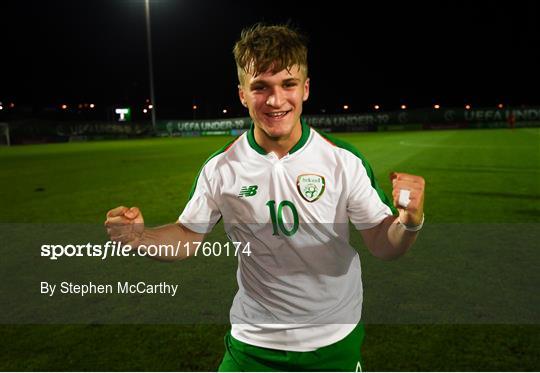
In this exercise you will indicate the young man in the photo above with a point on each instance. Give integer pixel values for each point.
(290, 192)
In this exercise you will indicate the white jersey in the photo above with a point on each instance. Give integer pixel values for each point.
(300, 288)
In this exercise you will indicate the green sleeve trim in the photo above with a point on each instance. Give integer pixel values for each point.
(221, 150)
(345, 145)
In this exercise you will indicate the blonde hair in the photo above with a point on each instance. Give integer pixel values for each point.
(262, 48)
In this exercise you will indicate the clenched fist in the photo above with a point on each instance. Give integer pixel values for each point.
(408, 197)
(125, 225)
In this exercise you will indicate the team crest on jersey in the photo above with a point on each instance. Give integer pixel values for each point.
(310, 186)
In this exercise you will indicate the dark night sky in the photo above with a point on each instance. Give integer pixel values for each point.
(95, 51)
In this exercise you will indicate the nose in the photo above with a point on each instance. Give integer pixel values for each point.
(276, 98)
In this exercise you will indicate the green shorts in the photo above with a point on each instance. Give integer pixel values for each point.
(343, 355)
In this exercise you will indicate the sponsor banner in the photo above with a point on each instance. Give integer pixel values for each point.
(451, 118)
(173, 127)
(37, 130)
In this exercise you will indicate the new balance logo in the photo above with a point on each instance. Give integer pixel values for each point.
(249, 191)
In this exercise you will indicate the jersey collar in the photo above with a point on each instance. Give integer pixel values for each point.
(253, 144)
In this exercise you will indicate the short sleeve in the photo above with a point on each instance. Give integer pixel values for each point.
(365, 207)
(201, 212)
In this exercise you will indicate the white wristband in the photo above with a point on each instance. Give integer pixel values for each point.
(412, 228)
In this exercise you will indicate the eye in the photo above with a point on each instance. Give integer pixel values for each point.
(290, 84)
(258, 88)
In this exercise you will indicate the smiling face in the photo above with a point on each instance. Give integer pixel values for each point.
(275, 101)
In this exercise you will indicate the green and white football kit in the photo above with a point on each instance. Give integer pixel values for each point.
(300, 289)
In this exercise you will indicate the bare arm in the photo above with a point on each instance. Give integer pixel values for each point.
(390, 239)
(175, 236)
(126, 225)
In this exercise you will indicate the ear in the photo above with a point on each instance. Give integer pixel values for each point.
(241, 95)
(306, 90)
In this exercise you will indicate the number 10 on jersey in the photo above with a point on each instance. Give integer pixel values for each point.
(277, 217)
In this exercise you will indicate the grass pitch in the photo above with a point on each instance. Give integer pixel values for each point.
(466, 296)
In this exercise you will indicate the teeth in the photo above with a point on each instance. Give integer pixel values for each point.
(277, 114)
